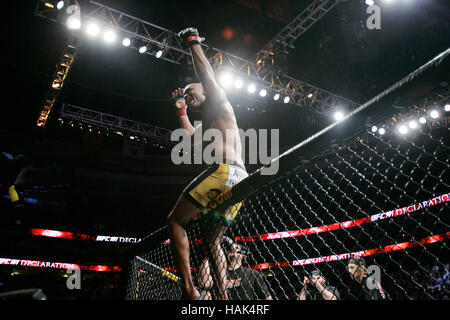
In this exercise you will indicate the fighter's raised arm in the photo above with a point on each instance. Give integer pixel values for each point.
(202, 67)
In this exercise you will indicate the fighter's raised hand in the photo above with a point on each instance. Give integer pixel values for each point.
(179, 102)
(190, 36)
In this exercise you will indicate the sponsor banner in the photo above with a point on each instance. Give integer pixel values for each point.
(56, 265)
(351, 223)
(80, 236)
(342, 225)
(344, 256)
(363, 253)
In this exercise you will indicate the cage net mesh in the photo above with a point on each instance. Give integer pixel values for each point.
(382, 197)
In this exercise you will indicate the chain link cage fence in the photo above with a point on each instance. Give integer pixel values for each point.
(365, 219)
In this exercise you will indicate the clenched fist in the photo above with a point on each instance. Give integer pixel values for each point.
(179, 102)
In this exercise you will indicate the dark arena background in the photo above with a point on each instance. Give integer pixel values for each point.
(358, 89)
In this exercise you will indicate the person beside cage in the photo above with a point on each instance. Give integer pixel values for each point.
(316, 287)
(243, 283)
(367, 286)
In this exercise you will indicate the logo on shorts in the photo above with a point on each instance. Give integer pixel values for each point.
(213, 193)
(224, 196)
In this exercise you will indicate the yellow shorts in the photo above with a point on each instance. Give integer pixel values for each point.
(216, 181)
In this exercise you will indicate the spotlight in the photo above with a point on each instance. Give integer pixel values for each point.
(74, 20)
(413, 124)
(374, 129)
(286, 99)
(338, 116)
(423, 120)
(159, 54)
(369, 2)
(402, 129)
(142, 49)
(92, 29)
(73, 23)
(60, 5)
(226, 79)
(263, 93)
(126, 42)
(434, 114)
(276, 97)
(109, 36)
(447, 107)
(238, 84)
(381, 131)
(251, 88)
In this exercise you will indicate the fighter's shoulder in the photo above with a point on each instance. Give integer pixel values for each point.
(222, 104)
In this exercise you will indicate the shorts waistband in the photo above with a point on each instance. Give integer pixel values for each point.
(235, 164)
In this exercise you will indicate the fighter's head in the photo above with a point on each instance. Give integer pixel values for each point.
(194, 95)
(234, 252)
(356, 267)
(316, 276)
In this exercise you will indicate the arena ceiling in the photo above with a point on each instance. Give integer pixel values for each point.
(338, 54)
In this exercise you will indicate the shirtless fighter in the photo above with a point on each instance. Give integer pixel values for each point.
(216, 111)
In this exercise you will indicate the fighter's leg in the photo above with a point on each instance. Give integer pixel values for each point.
(205, 280)
(177, 220)
(212, 235)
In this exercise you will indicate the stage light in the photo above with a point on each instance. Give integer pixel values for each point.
(434, 114)
(126, 42)
(423, 120)
(225, 79)
(374, 129)
(142, 49)
(381, 131)
(447, 107)
(370, 2)
(73, 23)
(286, 99)
(310, 95)
(413, 124)
(109, 36)
(238, 84)
(74, 20)
(263, 93)
(251, 88)
(159, 54)
(402, 129)
(338, 116)
(60, 5)
(276, 97)
(49, 5)
(92, 29)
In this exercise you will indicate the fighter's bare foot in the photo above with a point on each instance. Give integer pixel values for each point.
(190, 294)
